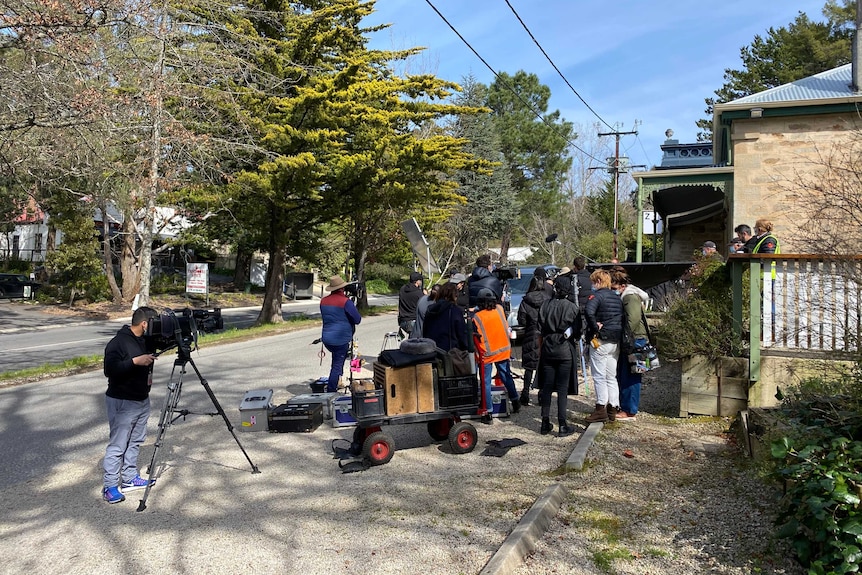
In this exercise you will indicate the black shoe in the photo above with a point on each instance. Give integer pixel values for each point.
(525, 398)
(487, 419)
(565, 430)
(516, 406)
(546, 427)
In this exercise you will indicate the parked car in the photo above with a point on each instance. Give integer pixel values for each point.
(17, 286)
(517, 287)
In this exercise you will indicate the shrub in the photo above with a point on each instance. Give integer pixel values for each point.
(377, 286)
(700, 323)
(820, 462)
(393, 276)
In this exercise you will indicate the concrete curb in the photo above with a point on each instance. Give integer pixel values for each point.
(523, 538)
(575, 462)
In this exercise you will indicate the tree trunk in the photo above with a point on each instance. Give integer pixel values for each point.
(242, 271)
(129, 257)
(360, 255)
(107, 257)
(504, 247)
(270, 312)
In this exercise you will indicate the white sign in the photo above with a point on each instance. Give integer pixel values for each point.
(197, 278)
(653, 223)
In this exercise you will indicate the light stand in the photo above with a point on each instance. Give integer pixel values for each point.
(175, 387)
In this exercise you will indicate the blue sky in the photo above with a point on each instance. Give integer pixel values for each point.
(648, 60)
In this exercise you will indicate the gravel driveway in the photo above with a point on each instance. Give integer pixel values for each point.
(682, 504)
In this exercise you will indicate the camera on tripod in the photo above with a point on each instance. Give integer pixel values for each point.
(180, 328)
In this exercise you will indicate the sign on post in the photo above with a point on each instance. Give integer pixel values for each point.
(197, 278)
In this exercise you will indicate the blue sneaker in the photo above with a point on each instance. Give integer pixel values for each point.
(113, 495)
(137, 483)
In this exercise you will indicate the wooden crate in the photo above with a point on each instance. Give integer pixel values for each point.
(406, 389)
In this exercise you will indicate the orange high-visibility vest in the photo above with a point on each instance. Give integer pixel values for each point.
(491, 326)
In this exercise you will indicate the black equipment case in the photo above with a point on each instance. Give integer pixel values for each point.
(289, 417)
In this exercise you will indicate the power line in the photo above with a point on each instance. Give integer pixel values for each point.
(510, 88)
(555, 66)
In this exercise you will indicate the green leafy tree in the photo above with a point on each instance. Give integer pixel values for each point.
(801, 49)
(534, 144)
(76, 264)
(491, 200)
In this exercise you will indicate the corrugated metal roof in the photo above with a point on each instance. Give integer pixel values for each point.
(834, 83)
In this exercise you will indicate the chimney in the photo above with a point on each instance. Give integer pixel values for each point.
(856, 59)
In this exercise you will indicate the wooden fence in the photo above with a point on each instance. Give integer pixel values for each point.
(800, 303)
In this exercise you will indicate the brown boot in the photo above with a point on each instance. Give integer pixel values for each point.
(612, 412)
(599, 415)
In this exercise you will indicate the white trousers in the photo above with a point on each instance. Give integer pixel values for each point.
(603, 366)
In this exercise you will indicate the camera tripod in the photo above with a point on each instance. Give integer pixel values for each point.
(171, 412)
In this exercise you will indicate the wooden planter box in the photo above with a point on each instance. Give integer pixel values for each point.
(722, 387)
(717, 387)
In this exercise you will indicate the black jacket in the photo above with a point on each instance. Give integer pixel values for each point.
(528, 318)
(445, 324)
(483, 278)
(125, 379)
(605, 307)
(408, 297)
(584, 288)
(555, 317)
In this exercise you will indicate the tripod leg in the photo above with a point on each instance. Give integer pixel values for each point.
(224, 416)
(172, 400)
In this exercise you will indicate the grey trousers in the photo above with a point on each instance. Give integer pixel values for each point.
(128, 423)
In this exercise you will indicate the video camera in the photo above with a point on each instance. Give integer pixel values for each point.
(180, 328)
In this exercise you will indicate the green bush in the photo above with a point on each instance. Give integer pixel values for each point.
(700, 323)
(820, 462)
(377, 286)
(393, 276)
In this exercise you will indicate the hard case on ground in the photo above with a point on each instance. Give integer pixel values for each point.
(340, 407)
(499, 403)
(324, 399)
(254, 410)
(289, 417)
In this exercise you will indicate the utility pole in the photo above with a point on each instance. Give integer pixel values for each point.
(617, 165)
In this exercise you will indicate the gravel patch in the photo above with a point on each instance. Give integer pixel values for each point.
(683, 503)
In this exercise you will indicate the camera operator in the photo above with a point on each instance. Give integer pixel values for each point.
(340, 318)
(128, 367)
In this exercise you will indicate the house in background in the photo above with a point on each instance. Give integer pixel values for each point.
(764, 144)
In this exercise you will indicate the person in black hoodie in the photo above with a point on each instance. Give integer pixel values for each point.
(483, 278)
(445, 322)
(128, 366)
(528, 317)
(560, 326)
(408, 297)
(605, 313)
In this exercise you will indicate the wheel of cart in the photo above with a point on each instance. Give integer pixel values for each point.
(378, 448)
(463, 437)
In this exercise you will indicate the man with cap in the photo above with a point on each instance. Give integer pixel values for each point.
(708, 250)
(340, 317)
(736, 246)
(408, 297)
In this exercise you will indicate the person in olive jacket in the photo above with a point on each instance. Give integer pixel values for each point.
(604, 314)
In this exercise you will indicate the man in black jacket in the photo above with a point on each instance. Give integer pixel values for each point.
(128, 367)
(408, 296)
(483, 278)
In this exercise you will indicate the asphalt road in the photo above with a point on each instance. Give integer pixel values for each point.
(65, 416)
(30, 338)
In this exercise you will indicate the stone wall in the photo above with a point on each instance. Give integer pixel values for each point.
(770, 157)
(688, 238)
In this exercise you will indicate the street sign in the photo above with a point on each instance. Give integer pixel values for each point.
(197, 278)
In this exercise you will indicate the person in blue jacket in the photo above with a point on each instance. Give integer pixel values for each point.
(340, 317)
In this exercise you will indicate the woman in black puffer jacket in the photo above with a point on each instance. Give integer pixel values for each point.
(528, 317)
(604, 313)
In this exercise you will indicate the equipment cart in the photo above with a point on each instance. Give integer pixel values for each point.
(418, 393)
